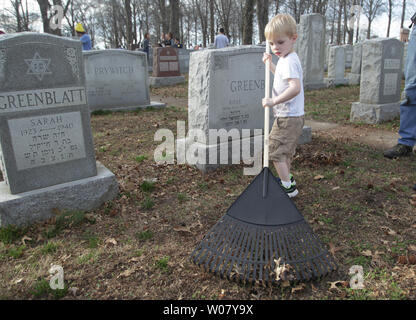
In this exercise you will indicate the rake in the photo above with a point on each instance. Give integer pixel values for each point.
(263, 238)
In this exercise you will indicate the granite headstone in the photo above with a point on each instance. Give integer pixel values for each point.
(381, 71)
(336, 67)
(226, 87)
(117, 80)
(45, 131)
(355, 74)
(311, 50)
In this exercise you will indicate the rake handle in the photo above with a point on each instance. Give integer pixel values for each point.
(267, 110)
(266, 125)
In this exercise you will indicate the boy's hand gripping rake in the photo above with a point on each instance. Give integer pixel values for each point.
(263, 237)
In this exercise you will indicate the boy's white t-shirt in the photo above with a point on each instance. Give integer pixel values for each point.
(288, 67)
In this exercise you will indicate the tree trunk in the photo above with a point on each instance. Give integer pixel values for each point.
(129, 27)
(403, 13)
(163, 16)
(43, 6)
(116, 40)
(357, 34)
(262, 17)
(339, 23)
(248, 17)
(389, 23)
(369, 28)
(212, 20)
(16, 7)
(174, 17)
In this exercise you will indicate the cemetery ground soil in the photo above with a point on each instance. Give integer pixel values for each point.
(137, 246)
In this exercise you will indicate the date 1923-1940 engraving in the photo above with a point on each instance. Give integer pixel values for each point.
(45, 140)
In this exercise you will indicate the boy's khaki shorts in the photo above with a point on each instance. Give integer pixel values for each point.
(284, 138)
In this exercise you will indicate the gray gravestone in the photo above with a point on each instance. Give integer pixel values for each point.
(336, 67)
(355, 74)
(348, 55)
(45, 130)
(311, 50)
(184, 56)
(226, 87)
(380, 81)
(117, 80)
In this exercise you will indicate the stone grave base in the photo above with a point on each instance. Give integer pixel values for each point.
(306, 137)
(152, 104)
(83, 195)
(374, 113)
(165, 81)
(314, 85)
(353, 79)
(331, 82)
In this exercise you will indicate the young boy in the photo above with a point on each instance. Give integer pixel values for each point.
(287, 98)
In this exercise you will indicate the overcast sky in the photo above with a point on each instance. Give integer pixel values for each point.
(379, 26)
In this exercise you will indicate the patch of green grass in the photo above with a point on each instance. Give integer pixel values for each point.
(145, 235)
(101, 112)
(102, 149)
(138, 253)
(68, 219)
(11, 233)
(162, 264)
(49, 247)
(182, 197)
(147, 186)
(361, 294)
(93, 242)
(203, 185)
(90, 257)
(326, 220)
(360, 261)
(16, 252)
(395, 292)
(148, 203)
(42, 289)
(171, 180)
(116, 153)
(140, 159)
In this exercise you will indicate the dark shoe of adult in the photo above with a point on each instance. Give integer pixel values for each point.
(399, 150)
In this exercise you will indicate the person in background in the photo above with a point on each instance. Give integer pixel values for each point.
(178, 44)
(146, 44)
(407, 130)
(221, 40)
(84, 37)
(162, 40)
(169, 42)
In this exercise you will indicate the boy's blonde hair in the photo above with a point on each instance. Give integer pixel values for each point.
(281, 24)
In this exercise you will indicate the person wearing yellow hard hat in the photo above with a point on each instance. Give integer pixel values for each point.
(84, 37)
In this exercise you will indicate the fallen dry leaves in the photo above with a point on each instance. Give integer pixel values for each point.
(388, 231)
(111, 241)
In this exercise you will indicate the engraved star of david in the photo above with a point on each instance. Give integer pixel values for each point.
(38, 66)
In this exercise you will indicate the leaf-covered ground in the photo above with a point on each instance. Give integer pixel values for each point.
(137, 246)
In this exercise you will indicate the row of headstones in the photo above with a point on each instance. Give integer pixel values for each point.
(45, 131)
(377, 65)
(339, 58)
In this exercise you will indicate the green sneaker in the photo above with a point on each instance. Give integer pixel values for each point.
(292, 191)
(399, 150)
(292, 179)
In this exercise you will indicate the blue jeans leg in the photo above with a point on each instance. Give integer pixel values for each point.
(407, 129)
